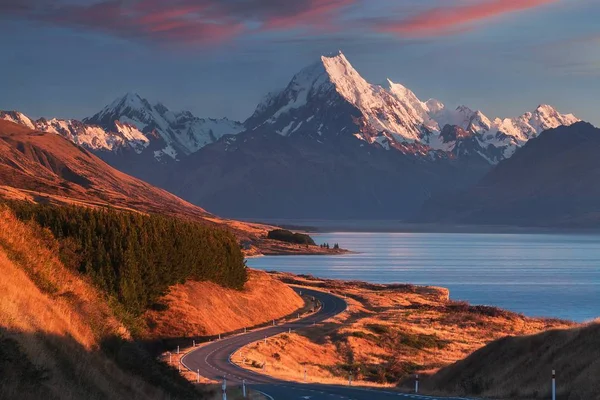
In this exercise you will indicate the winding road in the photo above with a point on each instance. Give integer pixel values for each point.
(212, 360)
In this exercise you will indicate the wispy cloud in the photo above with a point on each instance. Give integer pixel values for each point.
(183, 21)
(460, 17)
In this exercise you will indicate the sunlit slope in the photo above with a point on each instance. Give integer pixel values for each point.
(204, 308)
(52, 325)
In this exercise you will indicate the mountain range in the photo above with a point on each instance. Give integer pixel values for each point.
(552, 181)
(330, 144)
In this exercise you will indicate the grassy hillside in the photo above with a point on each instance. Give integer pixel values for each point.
(210, 309)
(134, 258)
(58, 338)
(521, 367)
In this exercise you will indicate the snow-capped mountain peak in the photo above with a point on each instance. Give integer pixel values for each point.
(331, 98)
(179, 133)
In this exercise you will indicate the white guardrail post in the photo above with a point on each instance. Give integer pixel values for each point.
(553, 384)
(417, 383)
(244, 388)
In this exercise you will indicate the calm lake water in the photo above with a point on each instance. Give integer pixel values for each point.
(534, 274)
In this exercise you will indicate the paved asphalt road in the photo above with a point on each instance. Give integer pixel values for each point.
(212, 361)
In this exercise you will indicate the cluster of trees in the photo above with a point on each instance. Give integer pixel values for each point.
(284, 235)
(326, 246)
(135, 258)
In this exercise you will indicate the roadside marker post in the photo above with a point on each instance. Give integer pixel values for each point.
(169, 357)
(265, 340)
(245, 330)
(553, 384)
(177, 349)
(219, 336)
(225, 389)
(290, 330)
(273, 322)
(193, 343)
(350, 380)
(417, 383)
(244, 388)
(198, 376)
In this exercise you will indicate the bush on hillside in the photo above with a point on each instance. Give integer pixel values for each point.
(284, 235)
(135, 258)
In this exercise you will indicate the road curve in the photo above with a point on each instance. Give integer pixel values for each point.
(212, 360)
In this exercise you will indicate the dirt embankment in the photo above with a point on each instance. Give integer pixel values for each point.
(389, 333)
(204, 308)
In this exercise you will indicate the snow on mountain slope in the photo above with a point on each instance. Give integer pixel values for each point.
(17, 118)
(132, 122)
(331, 98)
(325, 101)
(90, 136)
(182, 133)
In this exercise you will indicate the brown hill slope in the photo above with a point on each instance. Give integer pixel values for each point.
(521, 367)
(53, 325)
(45, 167)
(210, 309)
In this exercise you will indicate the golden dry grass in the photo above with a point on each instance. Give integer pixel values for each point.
(520, 367)
(204, 308)
(51, 325)
(388, 333)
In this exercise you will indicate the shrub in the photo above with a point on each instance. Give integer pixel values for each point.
(284, 235)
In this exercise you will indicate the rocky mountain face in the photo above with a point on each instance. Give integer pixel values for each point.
(550, 181)
(330, 144)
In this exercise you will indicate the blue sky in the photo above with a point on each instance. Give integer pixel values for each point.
(69, 58)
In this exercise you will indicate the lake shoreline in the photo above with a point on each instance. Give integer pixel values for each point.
(387, 226)
(536, 275)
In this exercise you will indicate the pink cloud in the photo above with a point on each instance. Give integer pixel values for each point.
(181, 21)
(458, 18)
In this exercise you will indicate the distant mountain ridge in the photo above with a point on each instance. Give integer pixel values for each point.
(328, 97)
(331, 98)
(180, 133)
(552, 181)
(328, 145)
(131, 123)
